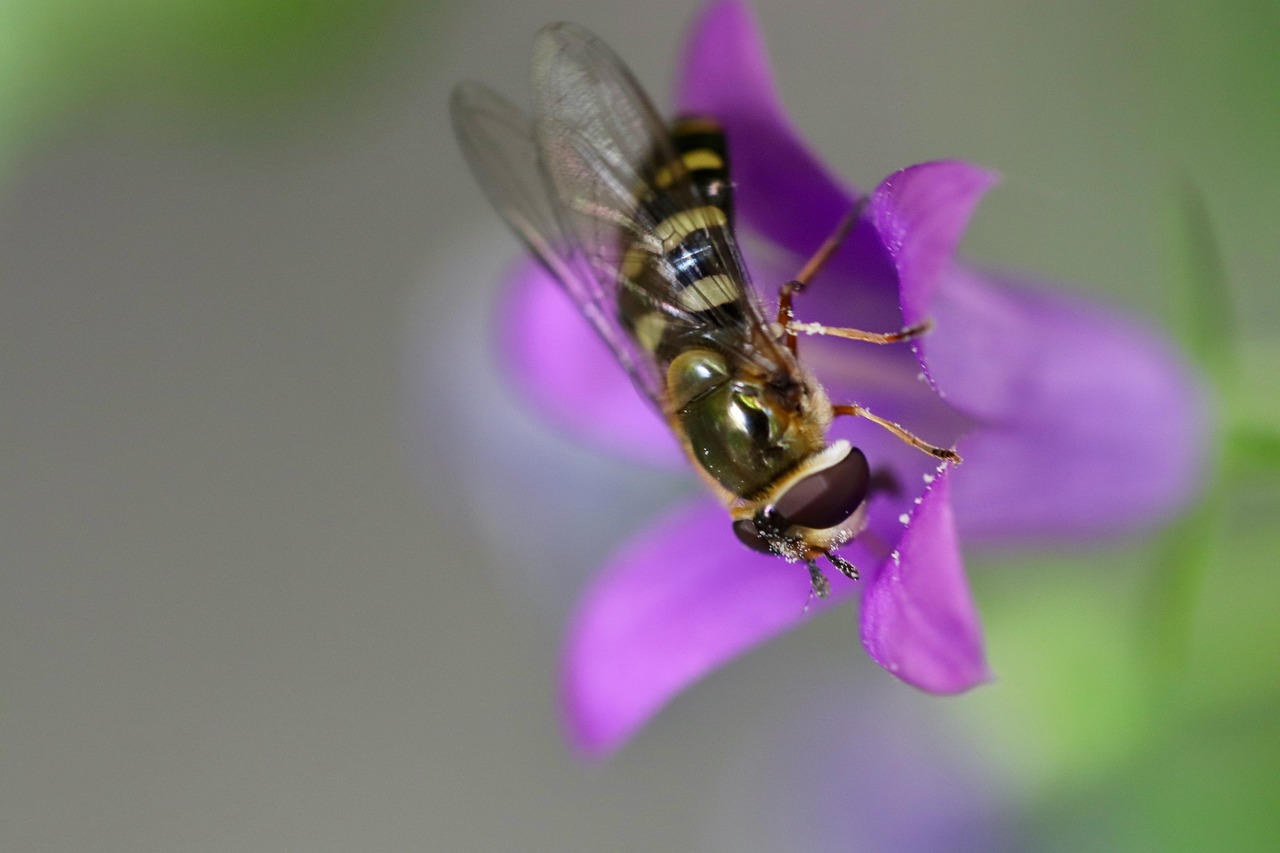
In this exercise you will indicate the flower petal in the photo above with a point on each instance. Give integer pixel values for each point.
(921, 213)
(682, 598)
(788, 195)
(562, 367)
(1092, 424)
(918, 619)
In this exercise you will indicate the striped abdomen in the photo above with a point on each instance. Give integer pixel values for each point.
(689, 257)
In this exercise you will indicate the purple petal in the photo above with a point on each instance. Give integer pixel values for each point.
(562, 367)
(918, 619)
(786, 194)
(681, 599)
(1092, 424)
(921, 213)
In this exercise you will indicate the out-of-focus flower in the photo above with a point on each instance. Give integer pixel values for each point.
(1073, 422)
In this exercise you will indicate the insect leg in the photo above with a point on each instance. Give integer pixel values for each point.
(906, 334)
(829, 246)
(786, 315)
(818, 580)
(846, 568)
(945, 453)
(786, 295)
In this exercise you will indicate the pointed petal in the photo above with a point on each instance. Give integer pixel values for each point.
(918, 619)
(1092, 424)
(682, 598)
(558, 363)
(921, 213)
(785, 192)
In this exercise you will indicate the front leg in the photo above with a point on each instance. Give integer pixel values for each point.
(817, 580)
(946, 454)
(905, 334)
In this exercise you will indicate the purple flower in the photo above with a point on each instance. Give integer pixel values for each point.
(1072, 421)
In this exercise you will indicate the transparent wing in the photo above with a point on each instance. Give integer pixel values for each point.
(577, 183)
(499, 143)
(602, 142)
(598, 131)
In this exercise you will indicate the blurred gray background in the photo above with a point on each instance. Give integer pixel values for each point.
(257, 592)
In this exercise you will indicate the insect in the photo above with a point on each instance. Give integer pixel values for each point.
(634, 218)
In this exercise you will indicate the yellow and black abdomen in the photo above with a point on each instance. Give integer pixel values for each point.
(688, 261)
(700, 144)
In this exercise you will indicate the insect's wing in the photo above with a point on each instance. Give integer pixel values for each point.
(597, 130)
(499, 143)
(496, 137)
(603, 144)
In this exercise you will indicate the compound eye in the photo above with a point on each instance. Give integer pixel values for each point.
(827, 497)
(745, 530)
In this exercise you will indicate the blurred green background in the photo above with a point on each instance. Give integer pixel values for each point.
(284, 568)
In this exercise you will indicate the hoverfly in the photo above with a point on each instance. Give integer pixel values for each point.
(634, 218)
